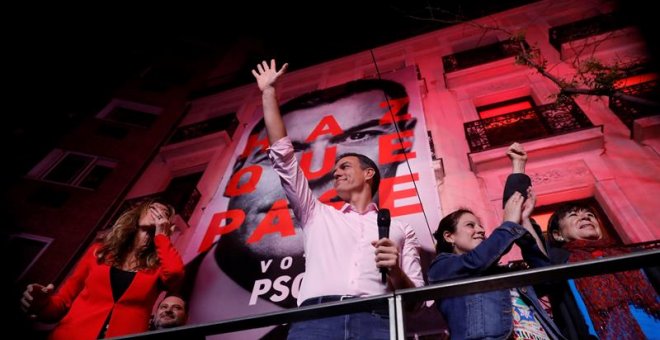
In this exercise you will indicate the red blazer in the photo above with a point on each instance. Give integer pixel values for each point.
(84, 301)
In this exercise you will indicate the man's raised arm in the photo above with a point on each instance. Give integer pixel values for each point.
(267, 76)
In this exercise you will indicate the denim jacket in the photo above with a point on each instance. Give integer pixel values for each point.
(488, 315)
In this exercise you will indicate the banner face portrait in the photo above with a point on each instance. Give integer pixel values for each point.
(249, 245)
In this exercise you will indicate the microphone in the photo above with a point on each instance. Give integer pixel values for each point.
(383, 232)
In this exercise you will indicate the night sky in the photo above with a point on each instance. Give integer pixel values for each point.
(65, 62)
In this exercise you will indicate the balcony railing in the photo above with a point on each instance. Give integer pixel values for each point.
(535, 123)
(586, 28)
(396, 299)
(480, 55)
(628, 111)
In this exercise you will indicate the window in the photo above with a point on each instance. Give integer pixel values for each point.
(227, 122)
(643, 85)
(431, 145)
(506, 122)
(131, 117)
(130, 113)
(482, 55)
(636, 79)
(25, 250)
(513, 105)
(587, 28)
(511, 120)
(182, 193)
(73, 168)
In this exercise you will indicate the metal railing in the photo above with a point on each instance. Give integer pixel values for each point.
(481, 55)
(538, 122)
(586, 28)
(396, 299)
(628, 111)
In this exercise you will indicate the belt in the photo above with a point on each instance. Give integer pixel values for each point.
(382, 311)
(326, 298)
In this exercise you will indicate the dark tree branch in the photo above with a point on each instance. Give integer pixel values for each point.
(591, 76)
(570, 90)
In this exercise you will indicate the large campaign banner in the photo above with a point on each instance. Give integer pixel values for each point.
(249, 248)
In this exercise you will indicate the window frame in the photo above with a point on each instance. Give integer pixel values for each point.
(45, 240)
(105, 113)
(527, 99)
(50, 163)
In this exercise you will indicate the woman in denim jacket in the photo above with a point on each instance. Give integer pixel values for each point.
(464, 251)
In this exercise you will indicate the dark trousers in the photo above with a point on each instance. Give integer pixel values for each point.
(374, 324)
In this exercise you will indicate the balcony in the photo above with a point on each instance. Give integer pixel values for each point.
(535, 123)
(605, 37)
(629, 112)
(582, 29)
(480, 55)
(399, 328)
(548, 130)
(482, 63)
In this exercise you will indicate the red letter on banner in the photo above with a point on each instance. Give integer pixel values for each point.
(387, 195)
(233, 188)
(277, 220)
(327, 125)
(235, 217)
(253, 142)
(328, 163)
(397, 105)
(391, 148)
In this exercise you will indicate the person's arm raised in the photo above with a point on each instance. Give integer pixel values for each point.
(267, 76)
(528, 208)
(517, 180)
(518, 157)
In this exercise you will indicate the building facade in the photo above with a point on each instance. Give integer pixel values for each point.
(475, 100)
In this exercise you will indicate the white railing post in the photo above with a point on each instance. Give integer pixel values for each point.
(400, 329)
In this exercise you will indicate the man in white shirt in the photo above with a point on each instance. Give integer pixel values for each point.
(341, 246)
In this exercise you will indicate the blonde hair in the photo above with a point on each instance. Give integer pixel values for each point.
(118, 242)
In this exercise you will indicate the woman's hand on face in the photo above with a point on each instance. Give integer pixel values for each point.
(513, 208)
(162, 222)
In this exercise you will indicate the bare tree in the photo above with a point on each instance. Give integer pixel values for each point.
(593, 77)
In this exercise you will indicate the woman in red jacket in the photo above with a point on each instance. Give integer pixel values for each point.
(113, 288)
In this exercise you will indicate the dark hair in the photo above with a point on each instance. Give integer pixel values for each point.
(559, 214)
(117, 242)
(365, 163)
(154, 316)
(168, 294)
(448, 223)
